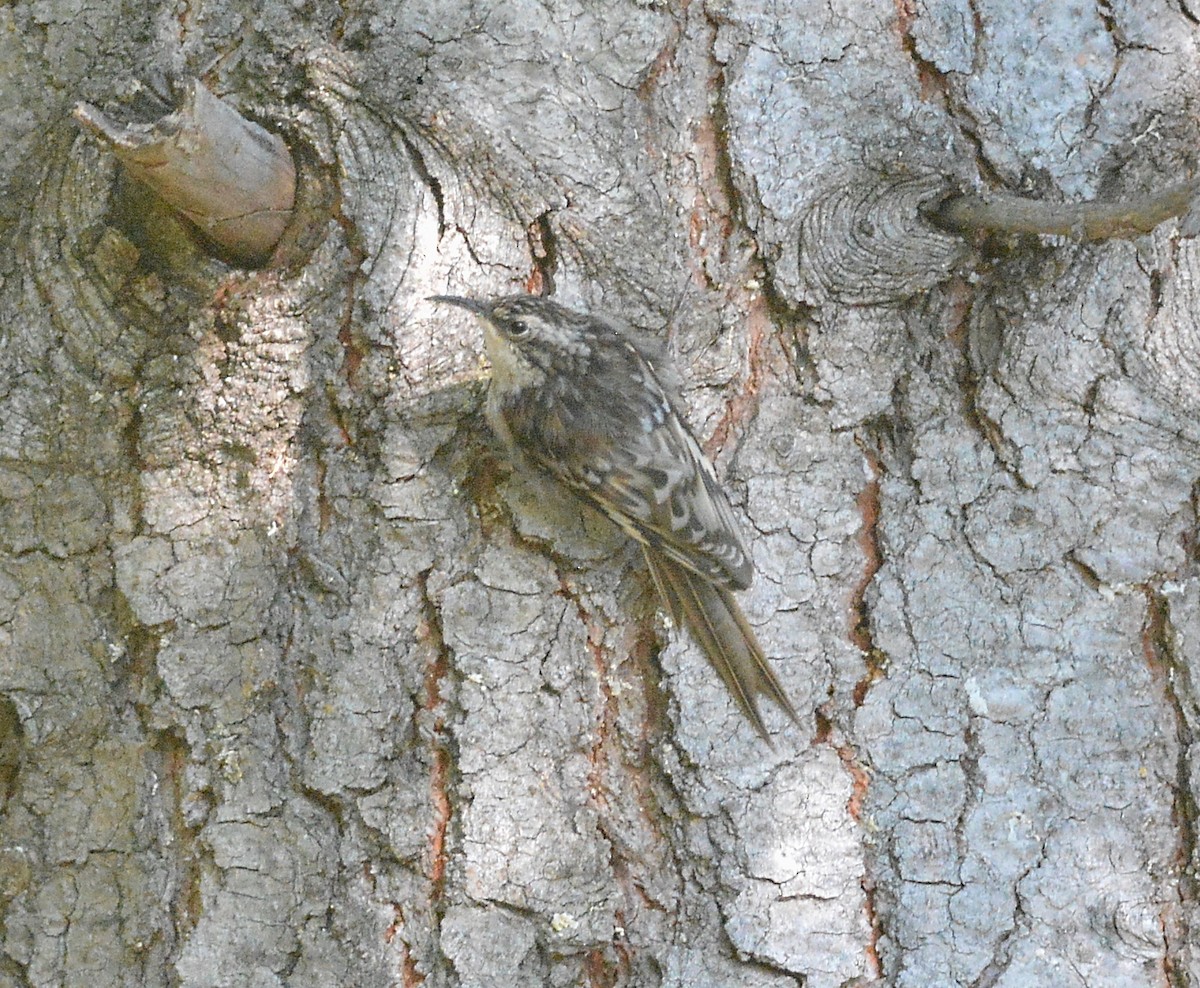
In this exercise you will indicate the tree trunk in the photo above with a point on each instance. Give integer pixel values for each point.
(302, 683)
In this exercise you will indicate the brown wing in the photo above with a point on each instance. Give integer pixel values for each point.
(623, 446)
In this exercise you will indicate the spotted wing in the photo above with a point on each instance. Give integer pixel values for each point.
(623, 446)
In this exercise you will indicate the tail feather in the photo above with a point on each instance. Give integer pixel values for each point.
(714, 619)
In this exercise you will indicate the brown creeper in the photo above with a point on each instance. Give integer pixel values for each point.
(579, 400)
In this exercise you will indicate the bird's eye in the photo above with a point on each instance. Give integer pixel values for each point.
(517, 329)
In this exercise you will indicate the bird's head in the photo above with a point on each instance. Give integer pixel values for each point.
(529, 338)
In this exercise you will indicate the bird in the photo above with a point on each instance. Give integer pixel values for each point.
(577, 397)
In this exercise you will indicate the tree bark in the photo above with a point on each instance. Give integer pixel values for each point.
(302, 683)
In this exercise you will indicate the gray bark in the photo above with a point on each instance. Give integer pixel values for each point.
(301, 684)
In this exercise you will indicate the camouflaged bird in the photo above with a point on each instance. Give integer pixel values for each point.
(582, 402)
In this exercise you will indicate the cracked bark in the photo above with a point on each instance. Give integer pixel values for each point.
(301, 683)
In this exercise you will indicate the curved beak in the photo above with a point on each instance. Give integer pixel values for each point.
(481, 309)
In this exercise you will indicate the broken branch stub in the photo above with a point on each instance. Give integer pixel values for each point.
(233, 180)
(867, 242)
(1000, 212)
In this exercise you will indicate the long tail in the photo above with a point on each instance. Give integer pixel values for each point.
(716, 622)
